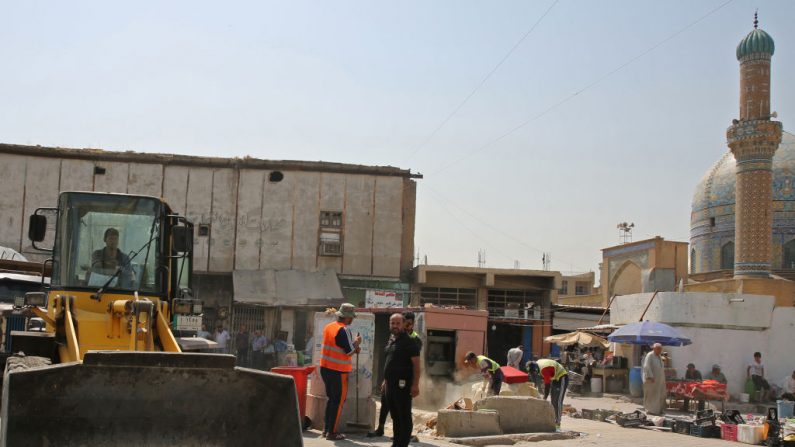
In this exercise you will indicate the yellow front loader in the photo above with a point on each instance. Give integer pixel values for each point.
(108, 369)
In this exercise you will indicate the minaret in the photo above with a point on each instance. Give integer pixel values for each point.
(753, 140)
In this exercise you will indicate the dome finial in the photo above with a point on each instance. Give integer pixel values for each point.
(756, 19)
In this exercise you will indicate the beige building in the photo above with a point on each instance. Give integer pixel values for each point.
(518, 302)
(255, 220)
(635, 267)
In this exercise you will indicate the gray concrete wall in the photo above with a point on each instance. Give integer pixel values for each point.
(254, 223)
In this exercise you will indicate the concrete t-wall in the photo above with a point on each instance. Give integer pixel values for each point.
(254, 223)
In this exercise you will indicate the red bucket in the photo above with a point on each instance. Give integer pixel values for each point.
(300, 375)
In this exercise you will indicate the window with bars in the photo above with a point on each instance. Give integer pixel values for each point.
(581, 288)
(331, 219)
(513, 303)
(564, 288)
(330, 240)
(445, 296)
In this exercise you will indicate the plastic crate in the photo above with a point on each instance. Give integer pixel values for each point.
(705, 431)
(728, 432)
(634, 419)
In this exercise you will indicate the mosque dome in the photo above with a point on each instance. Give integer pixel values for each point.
(757, 41)
(712, 216)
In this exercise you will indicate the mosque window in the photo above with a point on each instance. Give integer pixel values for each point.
(693, 261)
(789, 255)
(727, 256)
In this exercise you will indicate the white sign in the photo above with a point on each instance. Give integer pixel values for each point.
(382, 298)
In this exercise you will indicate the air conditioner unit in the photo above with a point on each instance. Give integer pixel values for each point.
(329, 248)
(511, 313)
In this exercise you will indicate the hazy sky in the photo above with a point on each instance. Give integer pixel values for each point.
(623, 106)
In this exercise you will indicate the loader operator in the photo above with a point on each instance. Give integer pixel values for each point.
(335, 365)
(108, 260)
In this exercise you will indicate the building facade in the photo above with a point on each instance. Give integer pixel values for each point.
(518, 302)
(251, 216)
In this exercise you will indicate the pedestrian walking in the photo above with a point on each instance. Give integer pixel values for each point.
(489, 368)
(335, 365)
(653, 375)
(401, 379)
(556, 382)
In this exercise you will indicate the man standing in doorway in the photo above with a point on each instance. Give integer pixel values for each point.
(653, 375)
(335, 365)
(515, 357)
(401, 379)
(489, 368)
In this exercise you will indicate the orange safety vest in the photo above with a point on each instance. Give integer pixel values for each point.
(331, 355)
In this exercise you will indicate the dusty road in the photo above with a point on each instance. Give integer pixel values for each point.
(593, 433)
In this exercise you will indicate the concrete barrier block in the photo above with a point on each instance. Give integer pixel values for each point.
(452, 423)
(519, 414)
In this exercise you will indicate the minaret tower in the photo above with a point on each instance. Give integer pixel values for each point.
(753, 139)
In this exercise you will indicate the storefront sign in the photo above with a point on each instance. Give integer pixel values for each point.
(382, 298)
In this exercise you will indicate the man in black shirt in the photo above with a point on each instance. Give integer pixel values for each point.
(401, 379)
(408, 327)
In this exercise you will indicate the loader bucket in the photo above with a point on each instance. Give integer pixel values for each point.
(149, 399)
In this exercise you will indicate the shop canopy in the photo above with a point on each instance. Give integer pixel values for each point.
(580, 338)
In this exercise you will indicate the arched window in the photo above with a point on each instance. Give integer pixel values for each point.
(727, 256)
(789, 255)
(692, 261)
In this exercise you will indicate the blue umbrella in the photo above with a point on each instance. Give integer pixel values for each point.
(648, 332)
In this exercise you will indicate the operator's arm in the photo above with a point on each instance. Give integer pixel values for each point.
(547, 389)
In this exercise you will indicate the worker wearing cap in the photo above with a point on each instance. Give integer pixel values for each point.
(489, 368)
(335, 365)
(556, 381)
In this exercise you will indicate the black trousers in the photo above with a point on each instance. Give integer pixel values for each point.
(399, 401)
(558, 393)
(336, 390)
(496, 382)
(383, 413)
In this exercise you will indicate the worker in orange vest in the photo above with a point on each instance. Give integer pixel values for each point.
(335, 365)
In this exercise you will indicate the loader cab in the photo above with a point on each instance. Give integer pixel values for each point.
(120, 243)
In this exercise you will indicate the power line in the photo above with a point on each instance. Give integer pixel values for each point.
(447, 201)
(583, 89)
(482, 82)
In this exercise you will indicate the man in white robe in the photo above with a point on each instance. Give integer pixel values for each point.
(653, 375)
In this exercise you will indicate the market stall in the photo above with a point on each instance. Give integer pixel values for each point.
(696, 390)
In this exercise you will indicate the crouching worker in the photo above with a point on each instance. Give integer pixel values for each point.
(556, 381)
(489, 368)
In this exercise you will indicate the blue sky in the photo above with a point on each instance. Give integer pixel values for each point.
(368, 82)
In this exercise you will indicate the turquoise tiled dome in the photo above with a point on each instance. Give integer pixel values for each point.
(712, 216)
(757, 41)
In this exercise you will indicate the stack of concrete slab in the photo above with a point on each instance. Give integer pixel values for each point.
(498, 415)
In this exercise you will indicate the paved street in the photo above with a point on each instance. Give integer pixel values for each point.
(593, 433)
